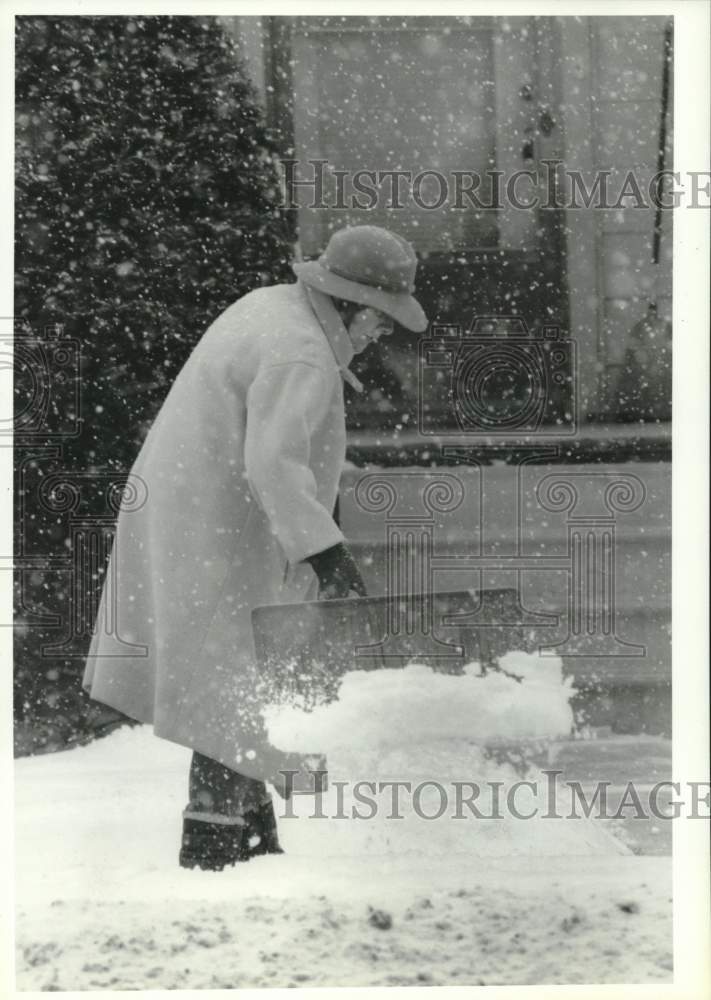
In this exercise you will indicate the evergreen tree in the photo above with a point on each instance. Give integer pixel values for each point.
(147, 200)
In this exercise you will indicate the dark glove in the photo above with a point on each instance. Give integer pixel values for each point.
(337, 572)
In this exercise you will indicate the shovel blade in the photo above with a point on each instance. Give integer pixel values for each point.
(303, 650)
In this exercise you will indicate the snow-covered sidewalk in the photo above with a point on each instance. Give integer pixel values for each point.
(102, 903)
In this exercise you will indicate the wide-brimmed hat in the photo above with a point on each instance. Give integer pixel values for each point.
(371, 266)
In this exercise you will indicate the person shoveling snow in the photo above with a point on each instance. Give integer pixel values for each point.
(241, 470)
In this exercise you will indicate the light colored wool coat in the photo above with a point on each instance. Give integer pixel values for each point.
(241, 468)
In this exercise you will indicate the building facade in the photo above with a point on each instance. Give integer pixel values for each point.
(544, 110)
(555, 280)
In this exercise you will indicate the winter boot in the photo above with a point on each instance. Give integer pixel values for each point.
(229, 818)
(213, 846)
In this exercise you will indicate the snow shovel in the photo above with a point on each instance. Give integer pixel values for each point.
(303, 650)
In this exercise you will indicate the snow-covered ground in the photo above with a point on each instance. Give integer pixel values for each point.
(102, 903)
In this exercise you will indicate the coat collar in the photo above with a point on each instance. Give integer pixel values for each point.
(336, 333)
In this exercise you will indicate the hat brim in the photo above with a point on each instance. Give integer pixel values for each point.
(400, 305)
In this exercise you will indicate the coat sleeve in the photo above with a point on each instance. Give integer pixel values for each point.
(286, 403)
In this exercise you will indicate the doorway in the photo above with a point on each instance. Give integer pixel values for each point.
(395, 117)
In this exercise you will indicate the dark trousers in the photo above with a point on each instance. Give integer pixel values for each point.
(221, 795)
